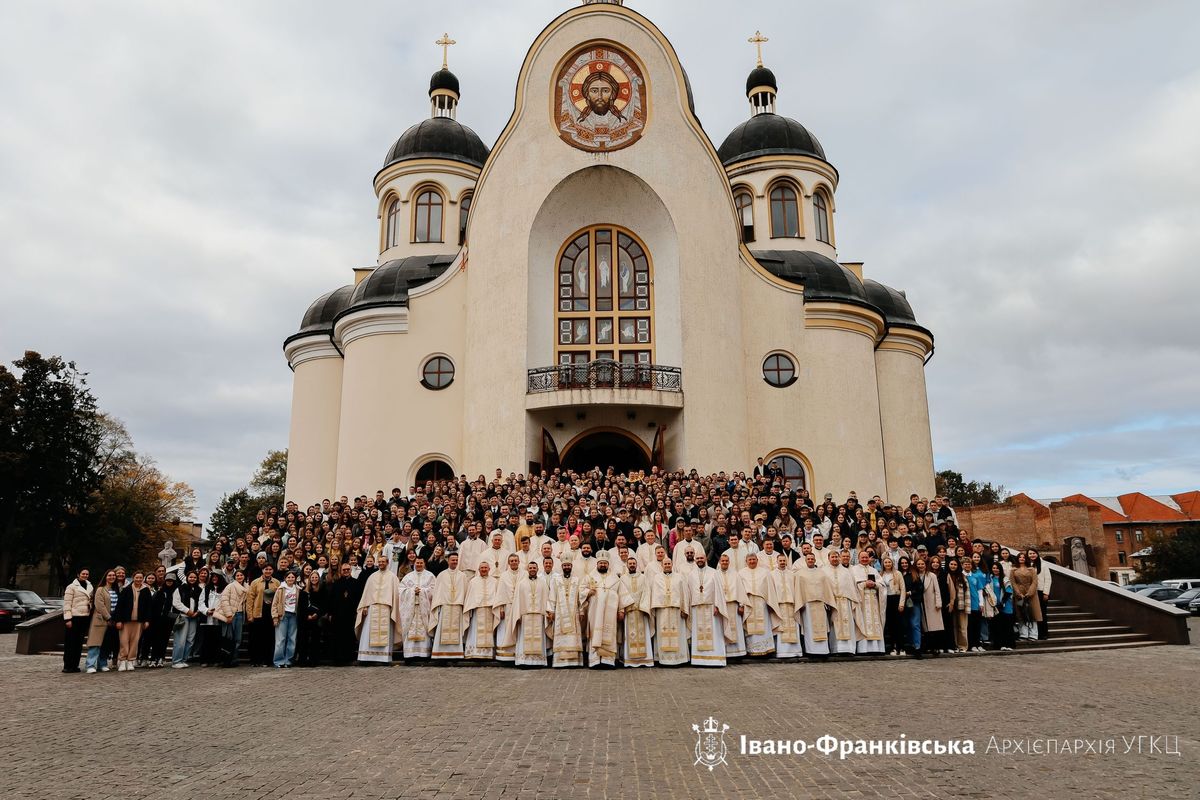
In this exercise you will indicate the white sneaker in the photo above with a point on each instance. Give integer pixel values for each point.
(105, 668)
(91, 670)
(132, 666)
(179, 665)
(120, 666)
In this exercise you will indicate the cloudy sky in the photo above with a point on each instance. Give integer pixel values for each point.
(179, 181)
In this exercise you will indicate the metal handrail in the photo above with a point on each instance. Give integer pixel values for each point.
(605, 373)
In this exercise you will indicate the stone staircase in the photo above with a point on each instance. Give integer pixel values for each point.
(1073, 628)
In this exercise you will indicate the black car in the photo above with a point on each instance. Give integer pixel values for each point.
(33, 605)
(1163, 594)
(1184, 600)
(11, 613)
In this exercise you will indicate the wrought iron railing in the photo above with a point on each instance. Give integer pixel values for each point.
(605, 374)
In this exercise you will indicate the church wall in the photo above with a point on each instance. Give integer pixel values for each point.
(389, 420)
(904, 418)
(313, 438)
(839, 421)
(681, 169)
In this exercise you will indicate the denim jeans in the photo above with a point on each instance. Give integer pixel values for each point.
(185, 638)
(285, 639)
(232, 631)
(913, 618)
(93, 658)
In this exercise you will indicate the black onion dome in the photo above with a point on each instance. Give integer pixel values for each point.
(893, 304)
(768, 135)
(318, 319)
(443, 79)
(439, 137)
(761, 76)
(822, 277)
(390, 282)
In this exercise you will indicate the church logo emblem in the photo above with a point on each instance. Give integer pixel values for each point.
(600, 100)
(710, 743)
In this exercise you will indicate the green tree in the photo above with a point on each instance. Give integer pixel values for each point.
(1175, 556)
(234, 514)
(51, 433)
(269, 480)
(949, 483)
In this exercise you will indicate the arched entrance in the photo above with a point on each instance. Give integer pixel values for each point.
(604, 448)
(436, 470)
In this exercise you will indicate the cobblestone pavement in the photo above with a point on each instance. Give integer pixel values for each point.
(472, 732)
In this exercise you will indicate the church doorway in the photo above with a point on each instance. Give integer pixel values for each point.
(604, 448)
(434, 471)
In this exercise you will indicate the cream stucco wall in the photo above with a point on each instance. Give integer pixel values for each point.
(904, 414)
(313, 436)
(678, 165)
(389, 421)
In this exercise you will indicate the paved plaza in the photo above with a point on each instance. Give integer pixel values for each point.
(479, 732)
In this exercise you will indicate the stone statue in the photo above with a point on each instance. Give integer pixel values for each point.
(1079, 561)
(166, 556)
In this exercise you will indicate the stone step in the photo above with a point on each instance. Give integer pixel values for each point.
(1052, 648)
(1058, 633)
(1086, 639)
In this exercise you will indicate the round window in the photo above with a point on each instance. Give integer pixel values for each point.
(779, 370)
(438, 373)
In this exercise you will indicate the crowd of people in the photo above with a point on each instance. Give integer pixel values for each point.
(567, 569)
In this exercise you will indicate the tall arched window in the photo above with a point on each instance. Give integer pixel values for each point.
(392, 227)
(821, 217)
(785, 213)
(744, 202)
(428, 227)
(605, 306)
(464, 210)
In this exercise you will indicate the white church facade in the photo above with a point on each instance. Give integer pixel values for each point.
(604, 286)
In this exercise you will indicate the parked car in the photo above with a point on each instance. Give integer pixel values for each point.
(1163, 594)
(1184, 600)
(33, 605)
(1137, 587)
(1183, 583)
(1194, 606)
(11, 614)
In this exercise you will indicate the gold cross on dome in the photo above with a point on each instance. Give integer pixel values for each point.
(445, 43)
(757, 40)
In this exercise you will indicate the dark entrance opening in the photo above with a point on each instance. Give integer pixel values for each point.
(434, 471)
(605, 449)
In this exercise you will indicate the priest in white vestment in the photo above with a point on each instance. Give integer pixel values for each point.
(506, 646)
(567, 596)
(497, 554)
(871, 607)
(814, 601)
(645, 552)
(687, 545)
(482, 613)
(527, 620)
(727, 579)
(416, 595)
(637, 624)
(845, 594)
(787, 634)
(603, 607)
(670, 605)
(760, 616)
(378, 616)
(446, 610)
(708, 623)
(471, 551)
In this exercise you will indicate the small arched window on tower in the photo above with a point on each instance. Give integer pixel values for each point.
(464, 210)
(392, 227)
(428, 226)
(785, 213)
(821, 217)
(744, 202)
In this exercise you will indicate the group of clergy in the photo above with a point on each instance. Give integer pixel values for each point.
(556, 604)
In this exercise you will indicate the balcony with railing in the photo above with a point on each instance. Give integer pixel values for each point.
(604, 382)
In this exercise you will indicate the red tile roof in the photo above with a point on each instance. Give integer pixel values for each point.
(1143, 508)
(1189, 502)
(1107, 515)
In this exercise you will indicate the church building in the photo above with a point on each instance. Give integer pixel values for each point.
(605, 286)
